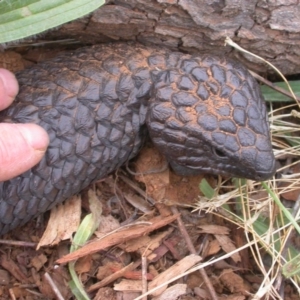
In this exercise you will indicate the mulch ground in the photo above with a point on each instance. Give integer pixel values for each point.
(147, 235)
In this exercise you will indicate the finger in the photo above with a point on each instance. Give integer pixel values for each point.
(8, 88)
(21, 147)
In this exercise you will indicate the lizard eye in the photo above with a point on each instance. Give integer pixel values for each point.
(219, 153)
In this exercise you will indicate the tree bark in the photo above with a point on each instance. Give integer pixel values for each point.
(269, 28)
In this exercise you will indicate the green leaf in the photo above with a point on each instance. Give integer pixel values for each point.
(23, 18)
(84, 232)
(76, 285)
(206, 189)
(87, 227)
(271, 95)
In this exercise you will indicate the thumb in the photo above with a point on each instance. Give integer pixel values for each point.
(8, 88)
(21, 147)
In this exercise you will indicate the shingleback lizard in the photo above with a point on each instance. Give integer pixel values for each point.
(205, 114)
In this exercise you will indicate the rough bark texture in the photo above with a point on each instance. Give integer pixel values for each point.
(269, 28)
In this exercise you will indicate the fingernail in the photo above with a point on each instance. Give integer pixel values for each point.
(35, 136)
(8, 88)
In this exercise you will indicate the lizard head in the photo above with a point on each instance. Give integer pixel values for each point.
(209, 116)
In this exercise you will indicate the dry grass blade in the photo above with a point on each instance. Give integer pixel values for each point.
(258, 210)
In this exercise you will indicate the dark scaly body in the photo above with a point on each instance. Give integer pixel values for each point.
(205, 114)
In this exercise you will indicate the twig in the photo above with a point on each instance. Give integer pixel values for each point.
(114, 276)
(197, 268)
(193, 251)
(54, 287)
(136, 188)
(144, 276)
(18, 243)
(163, 168)
(12, 294)
(273, 86)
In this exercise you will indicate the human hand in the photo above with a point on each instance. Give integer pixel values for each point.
(21, 145)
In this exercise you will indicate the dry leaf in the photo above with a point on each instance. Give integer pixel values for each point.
(58, 229)
(107, 224)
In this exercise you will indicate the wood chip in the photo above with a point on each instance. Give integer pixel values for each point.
(228, 246)
(173, 292)
(128, 285)
(13, 269)
(234, 282)
(118, 237)
(39, 261)
(213, 229)
(177, 269)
